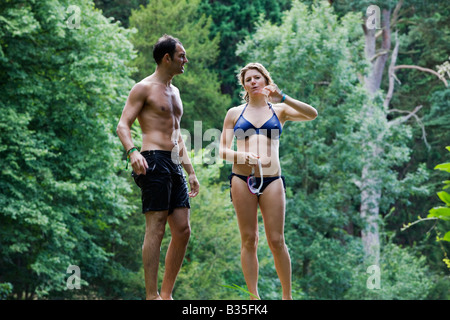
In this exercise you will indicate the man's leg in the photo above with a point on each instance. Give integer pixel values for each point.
(180, 231)
(155, 224)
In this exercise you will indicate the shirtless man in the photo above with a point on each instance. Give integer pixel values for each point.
(156, 103)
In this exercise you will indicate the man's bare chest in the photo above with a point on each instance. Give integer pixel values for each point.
(165, 103)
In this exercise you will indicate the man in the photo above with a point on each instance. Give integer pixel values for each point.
(157, 105)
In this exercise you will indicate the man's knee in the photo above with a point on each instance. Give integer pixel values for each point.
(182, 233)
(250, 241)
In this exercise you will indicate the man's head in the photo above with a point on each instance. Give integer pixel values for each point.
(165, 45)
(169, 49)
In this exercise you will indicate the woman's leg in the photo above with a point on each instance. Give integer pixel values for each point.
(272, 204)
(246, 206)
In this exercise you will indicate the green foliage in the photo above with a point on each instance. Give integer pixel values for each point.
(199, 86)
(424, 30)
(119, 9)
(236, 287)
(60, 196)
(65, 198)
(5, 290)
(443, 213)
(403, 276)
(233, 20)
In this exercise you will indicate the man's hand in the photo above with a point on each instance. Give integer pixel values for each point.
(195, 185)
(138, 163)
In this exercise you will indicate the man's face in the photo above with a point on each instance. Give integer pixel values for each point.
(179, 59)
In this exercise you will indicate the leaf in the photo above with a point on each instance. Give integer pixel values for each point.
(440, 212)
(235, 286)
(445, 197)
(446, 237)
(443, 167)
(447, 184)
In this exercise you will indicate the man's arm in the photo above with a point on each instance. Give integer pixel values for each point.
(187, 165)
(133, 107)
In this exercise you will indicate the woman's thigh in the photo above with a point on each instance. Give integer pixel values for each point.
(246, 206)
(273, 205)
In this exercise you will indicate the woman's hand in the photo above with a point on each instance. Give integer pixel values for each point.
(251, 159)
(273, 93)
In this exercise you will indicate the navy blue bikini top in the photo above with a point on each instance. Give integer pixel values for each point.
(244, 128)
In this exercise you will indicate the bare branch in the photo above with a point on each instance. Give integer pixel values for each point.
(395, 14)
(406, 226)
(396, 79)
(404, 66)
(378, 34)
(403, 119)
(380, 53)
(400, 120)
(392, 73)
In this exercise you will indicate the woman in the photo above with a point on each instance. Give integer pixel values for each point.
(257, 126)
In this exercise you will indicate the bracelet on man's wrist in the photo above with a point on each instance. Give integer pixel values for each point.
(129, 152)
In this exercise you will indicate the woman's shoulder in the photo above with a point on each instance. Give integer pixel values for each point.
(278, 106)
(232, 115)
(235, 110)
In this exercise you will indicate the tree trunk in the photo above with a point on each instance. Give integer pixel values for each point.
(370, 199)
(370, 184)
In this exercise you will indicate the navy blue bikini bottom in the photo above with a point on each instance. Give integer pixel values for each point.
(266, 181)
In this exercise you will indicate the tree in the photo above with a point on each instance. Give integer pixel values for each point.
(441, 212)
(378, 128)
(199, 87)
(64, 81)
(119, 9)
(233, 20)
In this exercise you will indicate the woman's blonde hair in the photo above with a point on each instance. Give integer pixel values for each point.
(256, 66)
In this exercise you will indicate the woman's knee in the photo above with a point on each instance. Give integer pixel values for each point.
(276, 242)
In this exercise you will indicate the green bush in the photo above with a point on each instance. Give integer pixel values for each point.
(403, 276)
(5, 290)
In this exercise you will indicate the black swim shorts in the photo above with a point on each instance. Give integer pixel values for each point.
(163, 186)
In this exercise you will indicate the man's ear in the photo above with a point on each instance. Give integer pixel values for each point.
(167, 58)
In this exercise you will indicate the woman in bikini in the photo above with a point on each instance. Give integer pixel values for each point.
(257, 126)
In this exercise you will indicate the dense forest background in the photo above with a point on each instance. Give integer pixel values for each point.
(361, 178)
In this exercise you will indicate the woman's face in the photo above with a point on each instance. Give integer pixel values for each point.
(254, 81)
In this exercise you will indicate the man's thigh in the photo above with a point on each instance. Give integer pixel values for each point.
(179, 220)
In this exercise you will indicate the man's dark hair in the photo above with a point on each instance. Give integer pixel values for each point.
(165, 44)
